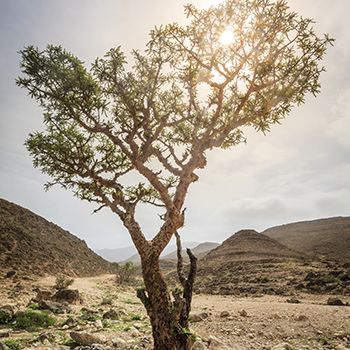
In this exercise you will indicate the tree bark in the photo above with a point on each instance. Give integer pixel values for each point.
(168, 316)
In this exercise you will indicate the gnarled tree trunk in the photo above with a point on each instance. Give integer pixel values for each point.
(168, 315)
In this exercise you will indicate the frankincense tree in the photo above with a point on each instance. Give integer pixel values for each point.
(242, 63)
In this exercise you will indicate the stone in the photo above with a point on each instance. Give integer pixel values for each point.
(243, 313)
(224, 314)
(7, 312)
(199, 345)
(5, 333)
(85, 338)
(335, 302)
(111, 315)
(41, 294)
(293, 300)
(301, 318)
(134, 333)
(118, 342)
(98, 324)
(216, 344)
(55, 307)
(11, 273)
(198, 317)
(282, 346)
(71, 296)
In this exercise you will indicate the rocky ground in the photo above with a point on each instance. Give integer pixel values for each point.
(111, 317)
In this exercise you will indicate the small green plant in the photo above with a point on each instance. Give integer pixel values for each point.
(13, 344)
(63, 282)
(33, 306)
(136, 317)
(126, 273)
(264, 279)
(107, 300)
(31, 319)
(330, 279)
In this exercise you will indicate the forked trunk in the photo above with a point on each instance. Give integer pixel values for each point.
(167, 332)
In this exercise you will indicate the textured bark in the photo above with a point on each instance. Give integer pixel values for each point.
(167, 333)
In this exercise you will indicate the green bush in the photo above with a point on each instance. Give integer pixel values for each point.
(63, 282)
(136, 317)
(31, 319)
(13, 344)
(126, 273)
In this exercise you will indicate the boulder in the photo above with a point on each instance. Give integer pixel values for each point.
(197, 317)
(4, 333)
(85, 338)
(224, 314)
(293, 300)
(7, 312)
(71, 296)
(335, 302)
(111, 315)
(53, 306)
(243, 313)
(216, 344)
(199, 345)
(41, 294)
(11, 273)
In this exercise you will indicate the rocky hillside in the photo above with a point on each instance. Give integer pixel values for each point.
(251, 263)
(249, 245)
(323, 238)
(29, 244)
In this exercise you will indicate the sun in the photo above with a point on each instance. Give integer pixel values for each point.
(227, 37)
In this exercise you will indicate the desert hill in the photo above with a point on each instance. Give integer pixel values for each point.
(323, 238)
(30, 244)
(249, 245)
(249, 262)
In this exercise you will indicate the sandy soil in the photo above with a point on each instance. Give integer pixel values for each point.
(265, 322)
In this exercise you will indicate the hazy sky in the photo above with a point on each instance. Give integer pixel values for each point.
(301, 170)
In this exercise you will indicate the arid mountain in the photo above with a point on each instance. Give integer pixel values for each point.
(199, 251)
(170, 248)
(30, 244)
(117, 254)
(323, 238)
(249, 245)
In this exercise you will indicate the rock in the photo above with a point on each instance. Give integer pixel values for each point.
(118, 342)
(98, 324)
(197, 317)
(70, 322)
(293, 300)
(84, 338)
(199, 345)
(11, 273)
(53, 306)
(4, 333)
(301, 318)
(111, 315)
(134, 333)
(335, 302)
(224, 314)
(282, 346)
(7, 312)
(243, 313)
(45, 336)
(41, 294)
(71, 296)
(216, 344)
